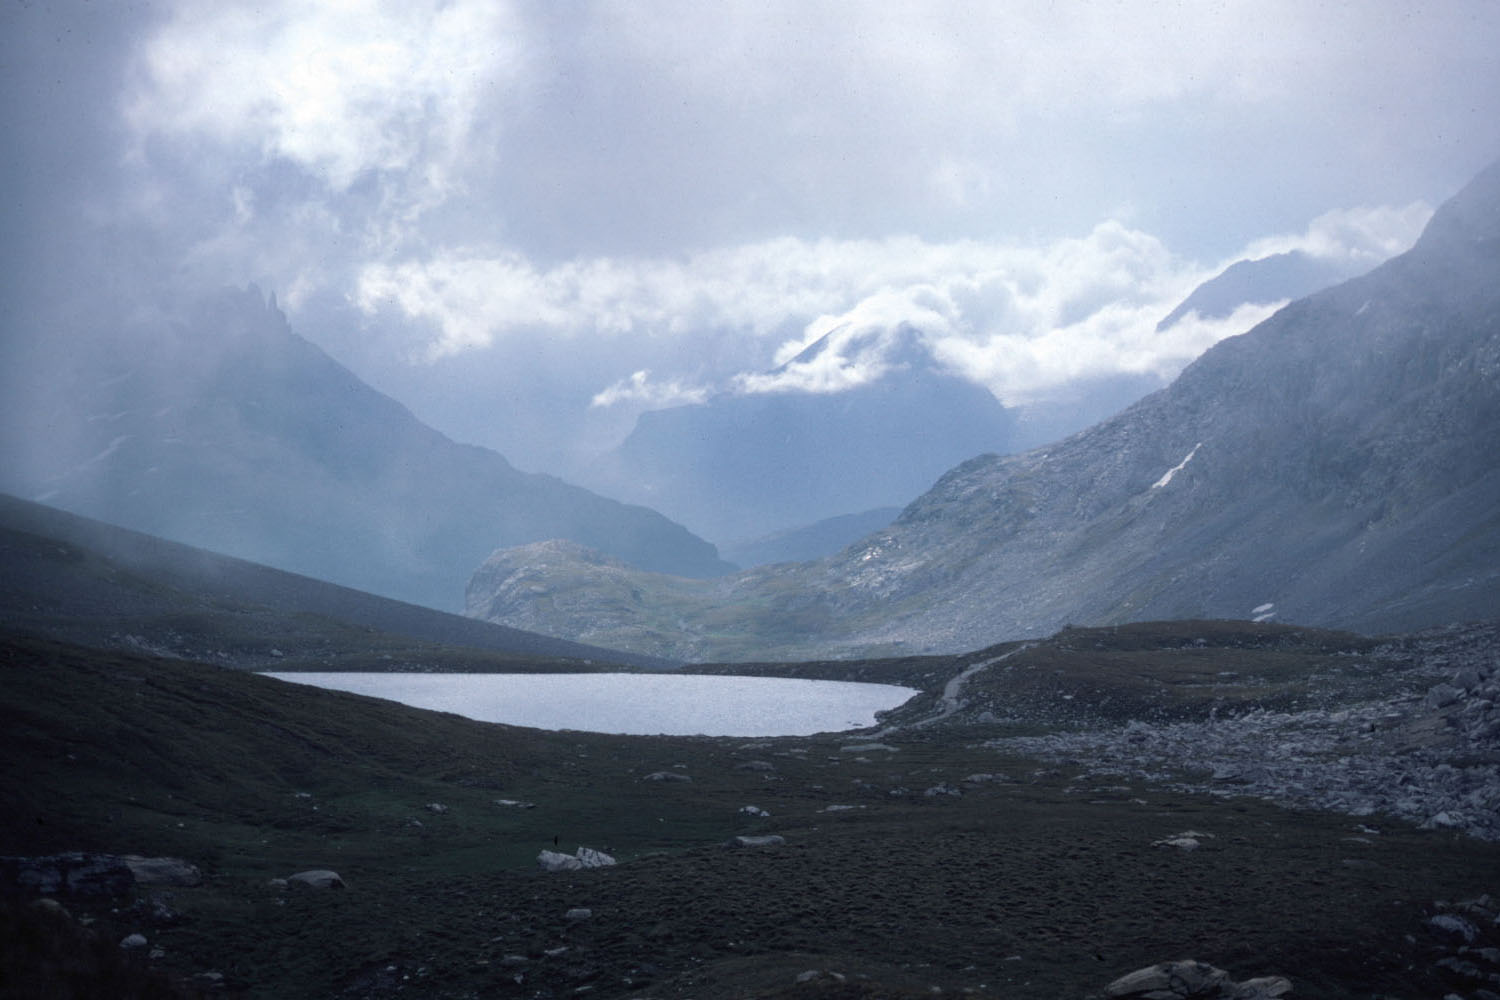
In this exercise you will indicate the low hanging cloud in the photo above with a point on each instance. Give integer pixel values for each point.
(640, 389)
(1359, 238)
(338, 89)
(1023, 320)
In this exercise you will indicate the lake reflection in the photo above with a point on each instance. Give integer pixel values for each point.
(639, 704)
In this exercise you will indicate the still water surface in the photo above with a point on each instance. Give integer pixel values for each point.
(640, 704)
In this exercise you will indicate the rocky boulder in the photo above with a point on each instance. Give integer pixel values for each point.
(585, 857)
(319, 878)
(1192, 980)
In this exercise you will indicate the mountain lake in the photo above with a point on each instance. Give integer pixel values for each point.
(631, 704)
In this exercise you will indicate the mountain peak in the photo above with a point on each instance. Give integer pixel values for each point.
(883, 348)
(1470, 218)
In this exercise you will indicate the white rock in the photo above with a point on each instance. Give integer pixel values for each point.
(585, 857)
(768, 840)
(590, 858)
(320, 878)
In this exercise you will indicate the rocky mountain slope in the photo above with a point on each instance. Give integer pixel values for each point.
(1290, 275)
(812, 541)
(1334, 466)
(230, 432)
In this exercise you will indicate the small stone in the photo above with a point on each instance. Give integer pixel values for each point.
(320, 878)
(1453, 928)
(1263, 988)
(1167, 980)
(578, 913)
(753, 811)
(49, 905)
(1442, 695)
(666, 776)
(768, 840)
(131, 942)
(163, 871)
(1459, 967)
(436, 807)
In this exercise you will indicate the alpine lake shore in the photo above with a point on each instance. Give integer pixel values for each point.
(1043, 819)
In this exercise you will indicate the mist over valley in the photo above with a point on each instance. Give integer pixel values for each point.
(749, 500)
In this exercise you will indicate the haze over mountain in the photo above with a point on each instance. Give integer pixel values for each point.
(1334, 466)
(811, 541)
(228, 431)
(83, 581)
(1276, 278)
(530, 222)
(867, 416)
(860, 419)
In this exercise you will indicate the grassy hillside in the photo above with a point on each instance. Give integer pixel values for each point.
(85, 581)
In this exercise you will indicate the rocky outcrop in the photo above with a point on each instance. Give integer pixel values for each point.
(1430, 756)
(1462, 947)
(1191, 980)
(584, 857)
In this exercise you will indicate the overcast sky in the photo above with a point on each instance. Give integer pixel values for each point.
(530, 221)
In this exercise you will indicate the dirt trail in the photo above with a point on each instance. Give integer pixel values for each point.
(949, 701)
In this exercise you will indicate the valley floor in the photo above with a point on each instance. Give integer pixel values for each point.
(934, 858)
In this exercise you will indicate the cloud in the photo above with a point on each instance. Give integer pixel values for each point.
(338, 89)
(639, 389)
(1358, 237)
(1022, 319)
(1120, 339)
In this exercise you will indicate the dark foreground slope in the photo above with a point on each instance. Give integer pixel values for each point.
(73, 578)
(1335, 466)
(925, 858)
(226, 430)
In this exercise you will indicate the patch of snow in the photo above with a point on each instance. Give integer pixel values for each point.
(1167, 478)
(1264, 611)
(113, 447)
(1361, 310)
